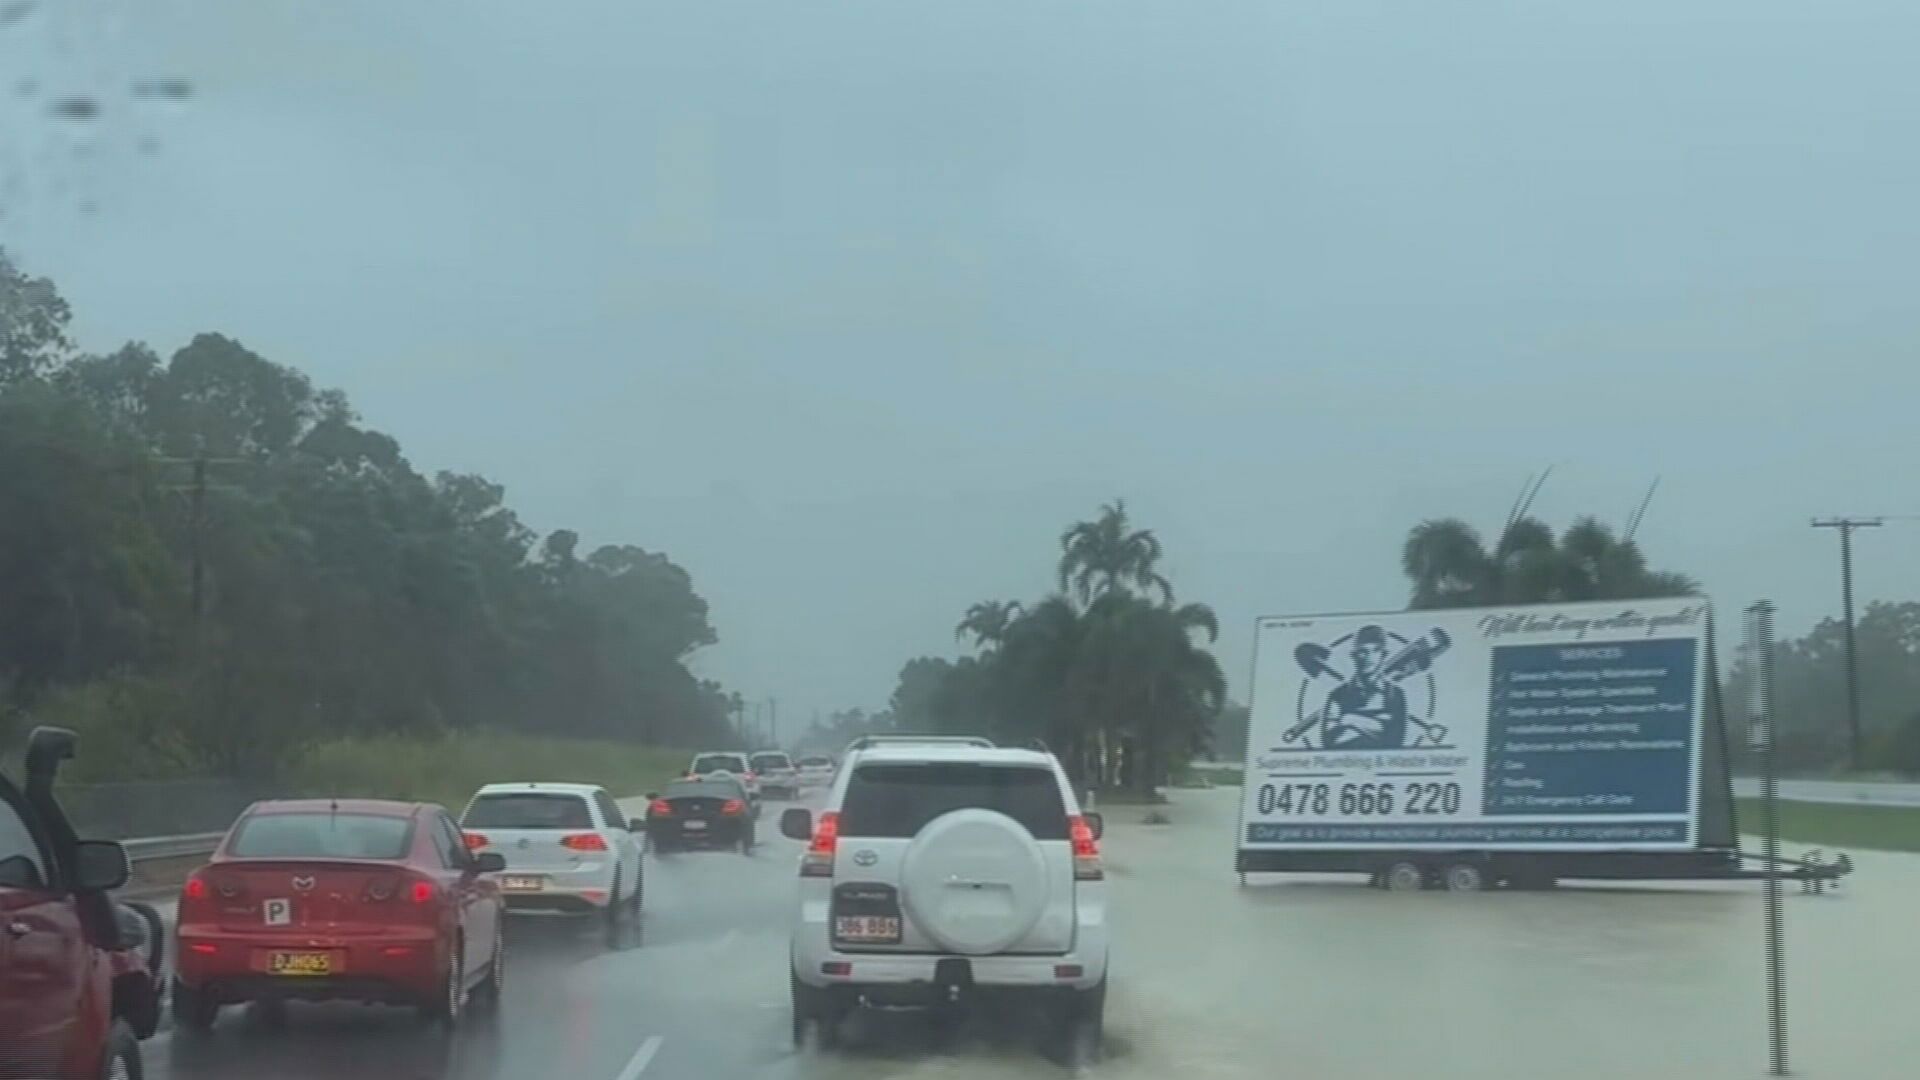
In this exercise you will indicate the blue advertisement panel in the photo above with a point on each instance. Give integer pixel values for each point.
(1570, 726)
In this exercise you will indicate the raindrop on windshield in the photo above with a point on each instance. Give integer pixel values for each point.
(13, 11)
(75, 108)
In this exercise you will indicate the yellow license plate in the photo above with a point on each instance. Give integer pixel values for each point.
(300, 963)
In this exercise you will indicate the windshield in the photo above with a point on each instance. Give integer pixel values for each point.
(321, 836)
(1353, 448)
(528, 811)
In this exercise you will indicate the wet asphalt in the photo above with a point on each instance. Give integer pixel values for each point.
(1289, 977)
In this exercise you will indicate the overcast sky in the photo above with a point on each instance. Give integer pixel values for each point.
(851, 306)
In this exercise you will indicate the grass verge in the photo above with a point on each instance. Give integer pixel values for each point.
(448, 770)
(1883, 828)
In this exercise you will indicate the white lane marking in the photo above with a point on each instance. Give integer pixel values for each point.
(641, 1058)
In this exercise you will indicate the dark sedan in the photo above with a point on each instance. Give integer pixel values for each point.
(709, 813)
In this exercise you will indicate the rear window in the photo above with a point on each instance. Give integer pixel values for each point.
(769, 762)
(814, 762)
(322, 836)
(707, 763)
(899, 800)
(528, 810)
(703, 789)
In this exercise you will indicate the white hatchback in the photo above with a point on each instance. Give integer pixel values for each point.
(938, 872)
(568, 847)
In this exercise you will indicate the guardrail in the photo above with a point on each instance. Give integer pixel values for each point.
(171, 847)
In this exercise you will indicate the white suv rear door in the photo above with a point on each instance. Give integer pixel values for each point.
(956, 857)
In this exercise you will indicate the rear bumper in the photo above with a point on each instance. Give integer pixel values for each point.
(584, 888)
(716, 834)
(402, 964)
(1080, 968)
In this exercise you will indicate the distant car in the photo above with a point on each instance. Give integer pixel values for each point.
(710, 813)
(79, 974)
(349, 899)
(778, 778)
(730, 762)
(815, 770)
(941, 871)
(567, 847)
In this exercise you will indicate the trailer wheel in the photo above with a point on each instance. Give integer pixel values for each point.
(1405, 876)
(1465, 877)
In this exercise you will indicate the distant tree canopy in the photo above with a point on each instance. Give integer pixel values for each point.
(342, 592)
(1810, 692)
(1109, 672)
(1451, 566)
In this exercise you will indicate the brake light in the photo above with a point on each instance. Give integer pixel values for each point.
(818, 861)
(733, 807)
(586, 841)
(1086, 851)
(660, 808)
(195, 889)
(476, 841)
(421, 893)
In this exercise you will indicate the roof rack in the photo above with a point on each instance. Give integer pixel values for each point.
(866, 741)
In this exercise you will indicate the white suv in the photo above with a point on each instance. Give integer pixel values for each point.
(940, 871)
(568, 847)
(732, 762)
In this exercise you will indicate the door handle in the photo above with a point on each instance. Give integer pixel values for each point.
(18, 929)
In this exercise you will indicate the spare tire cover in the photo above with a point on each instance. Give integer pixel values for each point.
(975, 881)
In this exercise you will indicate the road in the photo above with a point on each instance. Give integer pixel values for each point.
(1854, 792)
(1310, 977)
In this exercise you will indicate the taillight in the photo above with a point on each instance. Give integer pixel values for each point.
(818, 861)
(586, 841)
(1086, 851)
(733, 807)
(476, 841)
(195, 888)
(421, 892)
(660, 808)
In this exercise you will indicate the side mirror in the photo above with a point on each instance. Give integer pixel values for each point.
(796, 824)
(636, 824)
(1097, 823)
(489, 862)
(100, 866)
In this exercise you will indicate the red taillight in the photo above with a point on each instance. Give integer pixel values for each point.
(476, 841)
(586, 841)
(203, 948)
(660, 808)
(1086, 850)
(733, 808)
(818, 861)
(195, 889)
(421, 892)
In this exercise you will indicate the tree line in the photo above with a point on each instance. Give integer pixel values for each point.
(1109, 671)
(207, 562)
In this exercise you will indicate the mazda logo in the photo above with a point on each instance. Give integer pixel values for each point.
(303, 884)
(865, 857)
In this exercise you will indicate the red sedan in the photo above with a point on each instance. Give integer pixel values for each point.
(356, 900)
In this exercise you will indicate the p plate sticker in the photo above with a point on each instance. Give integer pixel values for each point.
(277, 912)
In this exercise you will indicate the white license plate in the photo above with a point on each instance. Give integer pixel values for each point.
(693, 826)
(522, 883)
(881, 929)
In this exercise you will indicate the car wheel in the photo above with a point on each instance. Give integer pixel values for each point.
(816, 1017)
(746, 840)
(121, 1059)
(1081, 1027)
(193, 1010)
(487, 995)
(1464, 877)
(449, 1001)
(615, 915)
(1406, 876)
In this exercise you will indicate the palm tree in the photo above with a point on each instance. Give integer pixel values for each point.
(1097, 557)
(1450, 566)
(988, 621)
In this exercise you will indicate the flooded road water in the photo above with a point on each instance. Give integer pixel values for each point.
(1291, 976)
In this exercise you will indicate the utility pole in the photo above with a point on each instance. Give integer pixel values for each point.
(199, 562)
(1846, 526)
(773, 722)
